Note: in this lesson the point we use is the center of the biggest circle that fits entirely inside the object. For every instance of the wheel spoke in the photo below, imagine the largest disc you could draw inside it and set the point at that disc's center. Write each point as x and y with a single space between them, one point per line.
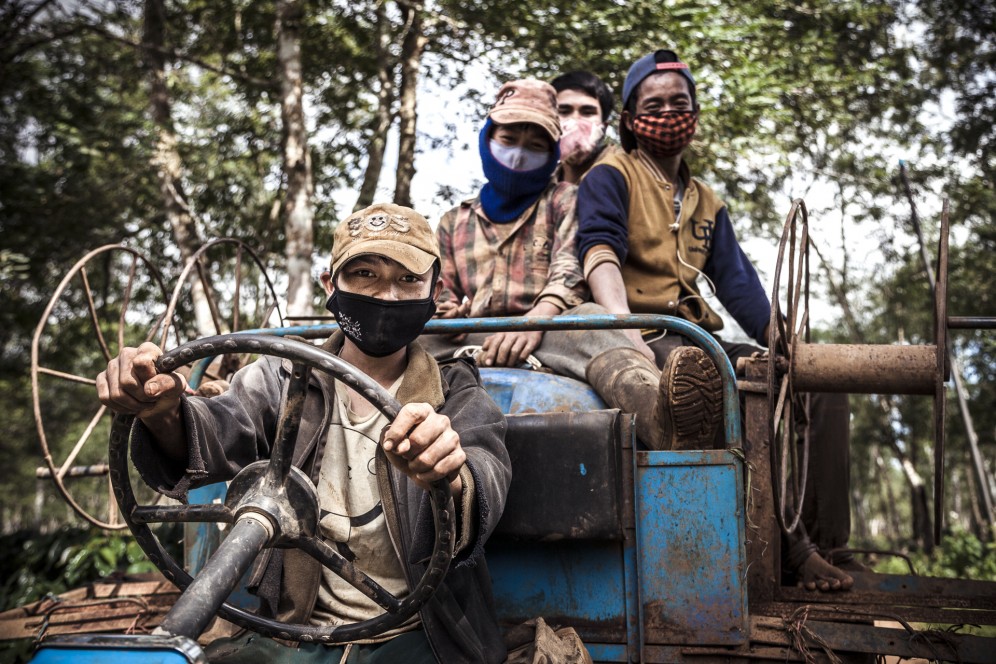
202 276
66 376
126 301
93 315
79 444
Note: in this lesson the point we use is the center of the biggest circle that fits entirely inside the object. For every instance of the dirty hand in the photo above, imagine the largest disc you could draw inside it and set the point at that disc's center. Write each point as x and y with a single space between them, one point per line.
422 444
508 349
818 574
130 385
451 309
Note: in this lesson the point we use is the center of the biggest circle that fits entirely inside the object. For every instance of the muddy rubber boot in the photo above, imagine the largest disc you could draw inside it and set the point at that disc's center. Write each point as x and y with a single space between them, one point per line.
627 380
690 409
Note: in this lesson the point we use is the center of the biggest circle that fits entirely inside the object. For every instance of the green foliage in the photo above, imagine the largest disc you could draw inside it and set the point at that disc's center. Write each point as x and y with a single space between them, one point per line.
36 565
961 555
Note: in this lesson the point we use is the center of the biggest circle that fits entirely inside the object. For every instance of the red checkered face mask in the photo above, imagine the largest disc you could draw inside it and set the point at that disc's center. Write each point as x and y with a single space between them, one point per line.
665 134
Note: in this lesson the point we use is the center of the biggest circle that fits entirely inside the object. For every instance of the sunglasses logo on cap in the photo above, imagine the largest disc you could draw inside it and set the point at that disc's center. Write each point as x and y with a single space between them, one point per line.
379 223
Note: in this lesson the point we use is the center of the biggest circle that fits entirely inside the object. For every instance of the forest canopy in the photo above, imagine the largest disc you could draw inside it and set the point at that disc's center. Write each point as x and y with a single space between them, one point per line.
163 124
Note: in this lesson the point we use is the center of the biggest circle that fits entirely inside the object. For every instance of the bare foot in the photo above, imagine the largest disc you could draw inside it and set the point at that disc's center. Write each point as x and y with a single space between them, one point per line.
818 574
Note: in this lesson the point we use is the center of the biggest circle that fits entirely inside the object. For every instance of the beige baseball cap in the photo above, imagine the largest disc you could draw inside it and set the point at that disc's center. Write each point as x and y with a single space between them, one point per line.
527 100
388 230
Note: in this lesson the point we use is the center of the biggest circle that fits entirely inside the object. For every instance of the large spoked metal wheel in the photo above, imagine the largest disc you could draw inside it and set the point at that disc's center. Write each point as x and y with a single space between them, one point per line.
112 297
788 411
223 288
272 504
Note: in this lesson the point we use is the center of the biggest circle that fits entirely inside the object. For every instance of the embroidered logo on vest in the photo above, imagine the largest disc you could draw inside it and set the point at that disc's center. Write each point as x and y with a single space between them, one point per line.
702 231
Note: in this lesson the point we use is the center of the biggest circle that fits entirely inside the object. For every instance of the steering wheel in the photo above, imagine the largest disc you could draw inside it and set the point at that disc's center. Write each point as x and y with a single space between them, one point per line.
272 505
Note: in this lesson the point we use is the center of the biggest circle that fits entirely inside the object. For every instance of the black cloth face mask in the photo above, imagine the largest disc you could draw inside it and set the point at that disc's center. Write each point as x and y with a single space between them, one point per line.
379 327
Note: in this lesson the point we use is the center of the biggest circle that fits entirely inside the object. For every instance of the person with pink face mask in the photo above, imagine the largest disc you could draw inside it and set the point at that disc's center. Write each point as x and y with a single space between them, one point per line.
584 104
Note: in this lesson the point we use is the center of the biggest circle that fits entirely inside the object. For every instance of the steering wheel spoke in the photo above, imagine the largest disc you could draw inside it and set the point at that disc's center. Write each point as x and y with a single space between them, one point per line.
348 572
290 422
183 514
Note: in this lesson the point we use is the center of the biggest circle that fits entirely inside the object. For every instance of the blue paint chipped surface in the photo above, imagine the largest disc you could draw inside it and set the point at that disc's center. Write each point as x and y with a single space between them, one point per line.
584 471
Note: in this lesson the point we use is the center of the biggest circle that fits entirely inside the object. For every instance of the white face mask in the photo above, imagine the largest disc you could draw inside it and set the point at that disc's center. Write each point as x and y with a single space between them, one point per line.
518 158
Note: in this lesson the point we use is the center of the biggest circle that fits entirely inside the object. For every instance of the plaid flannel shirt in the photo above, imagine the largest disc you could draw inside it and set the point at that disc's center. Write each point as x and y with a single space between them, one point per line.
506 269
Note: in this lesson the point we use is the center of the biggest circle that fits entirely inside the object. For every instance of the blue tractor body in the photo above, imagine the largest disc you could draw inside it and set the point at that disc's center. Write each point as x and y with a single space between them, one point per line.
652 556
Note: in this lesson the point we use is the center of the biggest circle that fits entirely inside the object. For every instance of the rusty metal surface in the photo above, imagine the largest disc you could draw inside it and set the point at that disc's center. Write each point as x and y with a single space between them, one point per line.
926 644
941 341
129 607
787 330
972 322
865 368
95 470
762 531
872 589
690 543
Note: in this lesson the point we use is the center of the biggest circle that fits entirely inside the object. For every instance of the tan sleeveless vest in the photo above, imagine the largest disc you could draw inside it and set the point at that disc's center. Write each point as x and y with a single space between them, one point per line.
656 280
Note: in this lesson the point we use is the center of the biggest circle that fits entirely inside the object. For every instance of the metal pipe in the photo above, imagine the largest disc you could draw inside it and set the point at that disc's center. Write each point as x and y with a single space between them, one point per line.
96 470
972 322
199 603
708 343
864 368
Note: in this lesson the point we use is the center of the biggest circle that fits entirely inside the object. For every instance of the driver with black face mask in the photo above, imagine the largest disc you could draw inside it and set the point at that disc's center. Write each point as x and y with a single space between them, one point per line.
382 284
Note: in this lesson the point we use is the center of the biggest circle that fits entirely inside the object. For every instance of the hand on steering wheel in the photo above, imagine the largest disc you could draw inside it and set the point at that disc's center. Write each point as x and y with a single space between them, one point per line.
272 504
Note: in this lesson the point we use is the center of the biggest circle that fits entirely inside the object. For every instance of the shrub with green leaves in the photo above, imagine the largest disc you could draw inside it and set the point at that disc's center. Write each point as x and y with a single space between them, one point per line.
34 565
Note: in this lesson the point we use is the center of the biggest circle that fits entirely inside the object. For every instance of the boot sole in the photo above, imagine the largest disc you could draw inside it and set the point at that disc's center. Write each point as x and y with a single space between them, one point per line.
691 408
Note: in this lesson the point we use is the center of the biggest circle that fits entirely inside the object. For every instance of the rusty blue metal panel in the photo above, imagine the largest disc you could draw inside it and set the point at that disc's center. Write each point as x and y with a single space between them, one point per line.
690 547
580 584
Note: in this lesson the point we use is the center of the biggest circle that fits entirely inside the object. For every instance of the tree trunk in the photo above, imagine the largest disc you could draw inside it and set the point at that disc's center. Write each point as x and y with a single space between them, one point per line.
298 210
384 117
411 57
169 168
890 498
922 533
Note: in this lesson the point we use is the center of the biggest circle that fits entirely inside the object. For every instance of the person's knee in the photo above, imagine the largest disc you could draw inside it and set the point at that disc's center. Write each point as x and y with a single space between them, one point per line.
587 309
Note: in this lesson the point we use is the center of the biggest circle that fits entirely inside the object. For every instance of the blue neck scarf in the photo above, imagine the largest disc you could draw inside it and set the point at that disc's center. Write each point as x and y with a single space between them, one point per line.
509 193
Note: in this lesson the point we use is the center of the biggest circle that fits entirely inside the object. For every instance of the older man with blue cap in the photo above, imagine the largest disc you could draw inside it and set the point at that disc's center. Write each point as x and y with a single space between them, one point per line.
647 232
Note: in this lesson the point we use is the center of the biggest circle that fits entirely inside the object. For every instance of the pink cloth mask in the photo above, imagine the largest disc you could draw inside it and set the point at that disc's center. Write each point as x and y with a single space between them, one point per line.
579 139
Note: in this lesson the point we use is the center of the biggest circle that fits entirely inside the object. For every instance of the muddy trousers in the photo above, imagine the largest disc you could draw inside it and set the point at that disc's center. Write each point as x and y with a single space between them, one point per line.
564 352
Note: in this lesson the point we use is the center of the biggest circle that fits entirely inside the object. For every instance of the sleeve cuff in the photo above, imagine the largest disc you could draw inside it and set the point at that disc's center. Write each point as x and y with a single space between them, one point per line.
553 299
597 256
466 521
